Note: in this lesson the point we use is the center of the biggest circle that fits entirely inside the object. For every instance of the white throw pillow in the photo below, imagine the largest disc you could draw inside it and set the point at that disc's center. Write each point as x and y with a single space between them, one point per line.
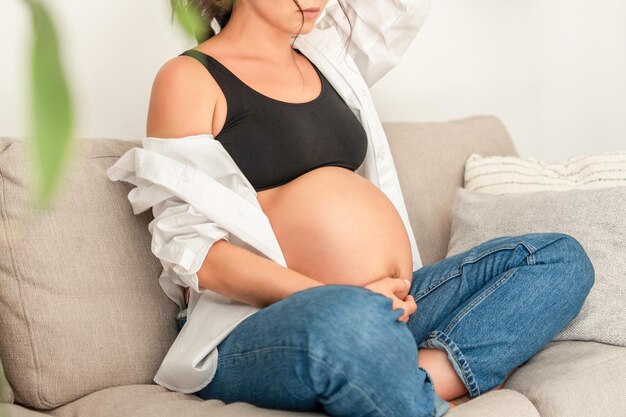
509 174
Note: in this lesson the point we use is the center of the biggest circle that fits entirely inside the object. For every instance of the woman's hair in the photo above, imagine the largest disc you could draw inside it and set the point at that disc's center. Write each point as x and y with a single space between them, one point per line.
220 10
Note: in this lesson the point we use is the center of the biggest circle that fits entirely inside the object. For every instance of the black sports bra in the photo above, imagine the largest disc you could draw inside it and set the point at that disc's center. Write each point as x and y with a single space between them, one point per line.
274 141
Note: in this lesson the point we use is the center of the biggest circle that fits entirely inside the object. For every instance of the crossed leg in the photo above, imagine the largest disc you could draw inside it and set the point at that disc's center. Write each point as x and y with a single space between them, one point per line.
483 312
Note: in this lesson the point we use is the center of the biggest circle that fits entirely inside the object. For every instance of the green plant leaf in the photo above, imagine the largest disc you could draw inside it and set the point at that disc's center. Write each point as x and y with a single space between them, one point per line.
51 106
190 18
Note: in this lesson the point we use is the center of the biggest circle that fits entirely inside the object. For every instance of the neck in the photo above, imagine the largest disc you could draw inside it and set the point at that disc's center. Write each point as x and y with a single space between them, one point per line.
248 33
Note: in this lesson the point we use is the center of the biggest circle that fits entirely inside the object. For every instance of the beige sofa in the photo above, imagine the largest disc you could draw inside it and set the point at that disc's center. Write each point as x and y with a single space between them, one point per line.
84 324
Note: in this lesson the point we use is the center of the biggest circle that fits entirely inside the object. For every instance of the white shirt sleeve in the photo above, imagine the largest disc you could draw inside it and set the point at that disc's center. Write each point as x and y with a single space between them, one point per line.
182 238
181 235
382 30
198 196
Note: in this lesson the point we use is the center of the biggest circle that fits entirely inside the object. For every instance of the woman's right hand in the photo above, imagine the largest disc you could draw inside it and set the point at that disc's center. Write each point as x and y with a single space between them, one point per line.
392 287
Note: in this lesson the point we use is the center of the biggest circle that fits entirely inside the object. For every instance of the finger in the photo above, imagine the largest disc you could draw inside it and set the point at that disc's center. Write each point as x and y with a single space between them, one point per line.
406 311
409 308
398 304
409 299
403 318
400 284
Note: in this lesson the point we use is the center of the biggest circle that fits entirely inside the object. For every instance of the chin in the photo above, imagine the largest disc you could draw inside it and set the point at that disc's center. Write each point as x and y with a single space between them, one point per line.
306 28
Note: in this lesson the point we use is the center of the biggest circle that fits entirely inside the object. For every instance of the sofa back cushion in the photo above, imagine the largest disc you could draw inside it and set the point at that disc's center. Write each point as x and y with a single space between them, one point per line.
430 160
80 304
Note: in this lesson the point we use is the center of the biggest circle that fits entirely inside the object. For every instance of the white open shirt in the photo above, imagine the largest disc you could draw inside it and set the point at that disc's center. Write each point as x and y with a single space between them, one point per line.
198 195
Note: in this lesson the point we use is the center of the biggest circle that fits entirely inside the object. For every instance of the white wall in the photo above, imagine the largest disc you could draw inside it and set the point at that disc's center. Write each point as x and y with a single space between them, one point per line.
553 71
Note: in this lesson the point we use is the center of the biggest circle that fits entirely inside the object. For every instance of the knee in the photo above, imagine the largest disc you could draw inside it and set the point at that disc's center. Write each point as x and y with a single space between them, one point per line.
578 274
354 320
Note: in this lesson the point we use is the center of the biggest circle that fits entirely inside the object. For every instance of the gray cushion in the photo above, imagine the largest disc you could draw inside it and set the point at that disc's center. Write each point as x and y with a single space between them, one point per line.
574 379
430 159
595 217
81 306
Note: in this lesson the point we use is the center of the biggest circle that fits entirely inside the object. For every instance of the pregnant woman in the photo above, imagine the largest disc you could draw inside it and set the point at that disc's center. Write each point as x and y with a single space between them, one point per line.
349 327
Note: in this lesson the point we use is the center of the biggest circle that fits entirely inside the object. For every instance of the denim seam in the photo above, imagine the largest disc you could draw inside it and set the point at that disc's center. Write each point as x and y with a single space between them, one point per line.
437 284
455 354
262 350
470 260
530 248
272 348
481 297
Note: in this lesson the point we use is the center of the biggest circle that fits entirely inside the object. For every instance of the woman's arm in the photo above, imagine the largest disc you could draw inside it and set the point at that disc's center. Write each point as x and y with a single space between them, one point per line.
182 103
241 275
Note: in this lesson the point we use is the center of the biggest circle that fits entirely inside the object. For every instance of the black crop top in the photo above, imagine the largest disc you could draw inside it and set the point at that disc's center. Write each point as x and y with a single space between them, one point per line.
272 141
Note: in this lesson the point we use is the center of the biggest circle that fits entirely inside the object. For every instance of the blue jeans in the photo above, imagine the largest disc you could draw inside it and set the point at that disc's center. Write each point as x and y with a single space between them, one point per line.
340 348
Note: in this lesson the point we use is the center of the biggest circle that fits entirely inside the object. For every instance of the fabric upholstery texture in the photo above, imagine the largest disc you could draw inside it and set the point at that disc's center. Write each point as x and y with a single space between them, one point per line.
595 217
154 400
574 379
496 403
428 184
81 306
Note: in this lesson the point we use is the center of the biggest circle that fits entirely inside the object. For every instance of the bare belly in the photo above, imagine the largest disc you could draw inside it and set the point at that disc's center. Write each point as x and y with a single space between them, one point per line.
335 226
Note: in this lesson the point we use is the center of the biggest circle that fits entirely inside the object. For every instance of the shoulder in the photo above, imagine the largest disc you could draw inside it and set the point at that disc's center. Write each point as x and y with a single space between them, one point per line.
182 99
181 74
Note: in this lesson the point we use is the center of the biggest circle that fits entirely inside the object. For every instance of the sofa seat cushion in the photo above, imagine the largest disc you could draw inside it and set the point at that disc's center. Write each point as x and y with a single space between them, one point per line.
155 400
574 379
16 410
496 403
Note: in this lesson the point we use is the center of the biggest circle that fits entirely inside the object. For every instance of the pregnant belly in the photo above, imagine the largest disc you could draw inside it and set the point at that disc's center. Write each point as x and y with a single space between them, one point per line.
335 226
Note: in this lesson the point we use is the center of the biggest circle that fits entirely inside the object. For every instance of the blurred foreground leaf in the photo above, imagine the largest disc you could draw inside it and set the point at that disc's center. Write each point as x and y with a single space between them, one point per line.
51 107
190 18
